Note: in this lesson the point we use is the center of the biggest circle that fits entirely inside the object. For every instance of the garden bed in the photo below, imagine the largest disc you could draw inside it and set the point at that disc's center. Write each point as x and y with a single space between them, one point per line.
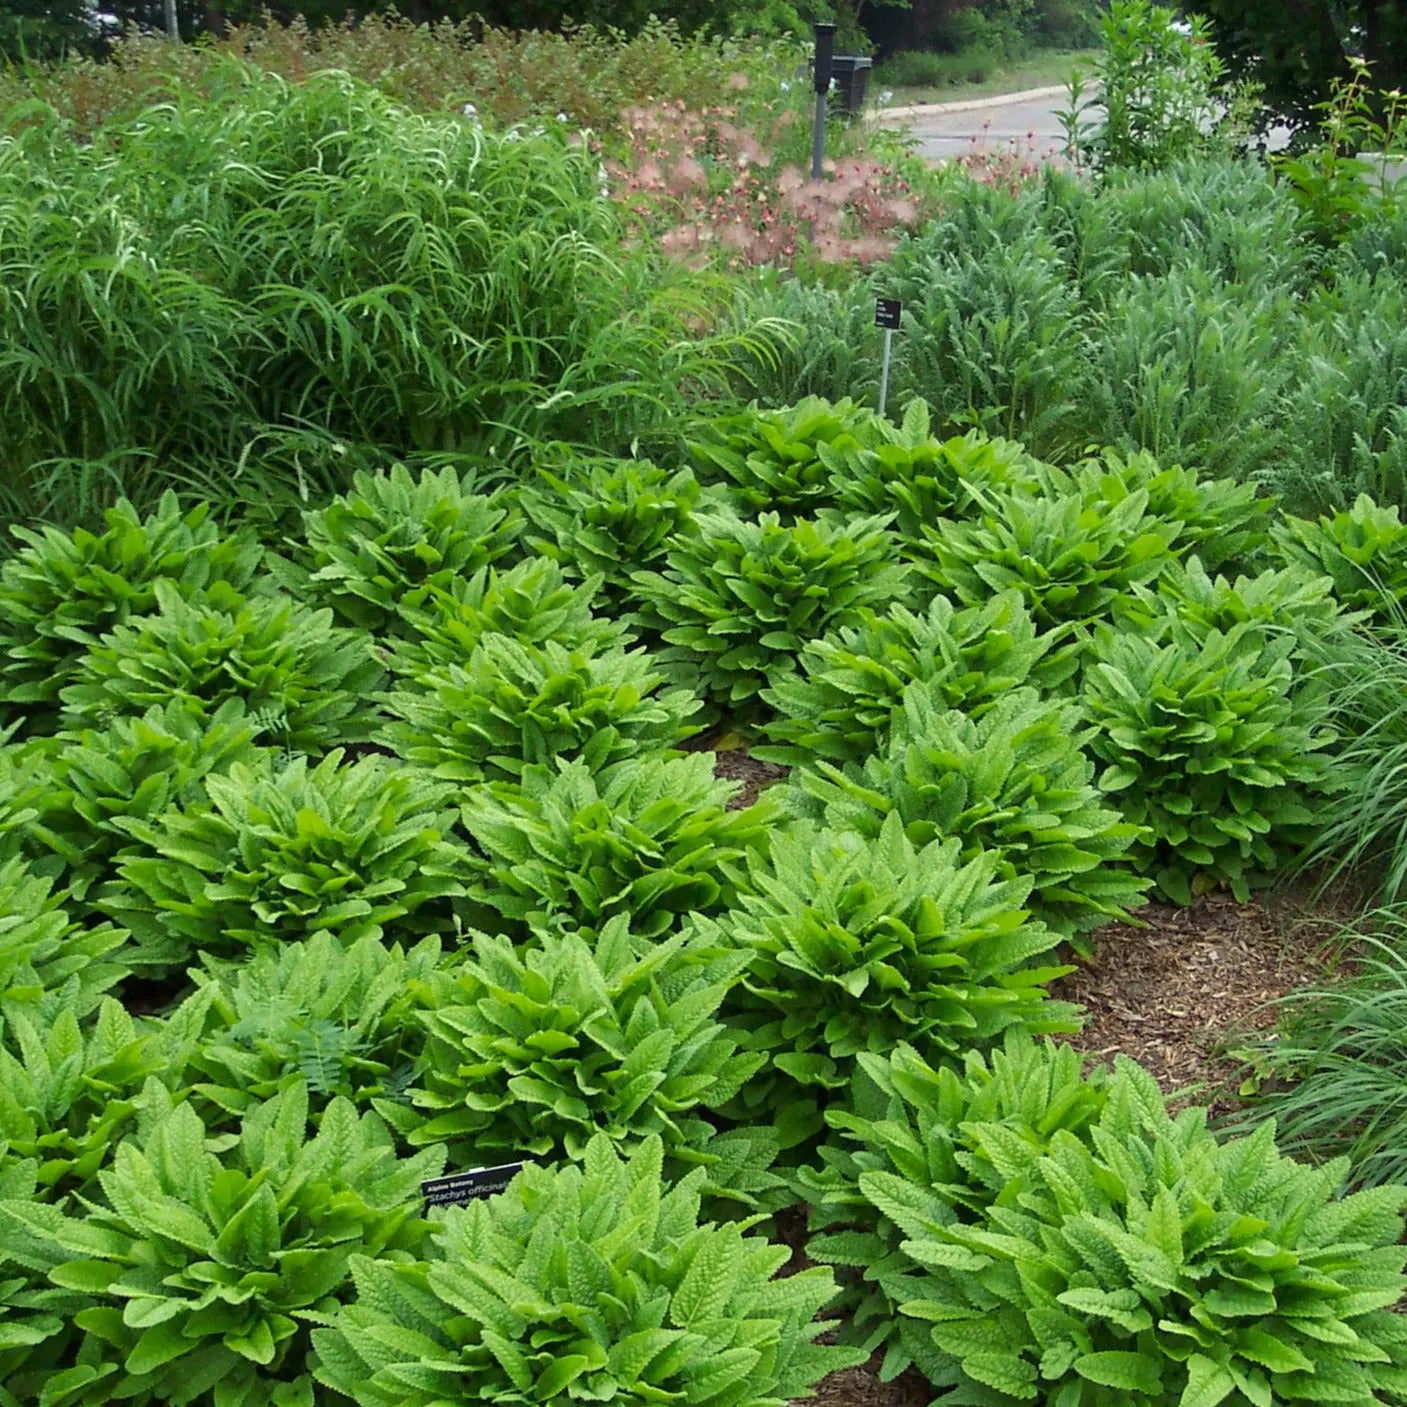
1172 995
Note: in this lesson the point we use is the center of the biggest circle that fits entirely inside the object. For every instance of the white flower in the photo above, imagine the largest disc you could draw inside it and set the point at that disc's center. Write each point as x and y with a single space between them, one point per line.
786 87
561 117
886 97
471 112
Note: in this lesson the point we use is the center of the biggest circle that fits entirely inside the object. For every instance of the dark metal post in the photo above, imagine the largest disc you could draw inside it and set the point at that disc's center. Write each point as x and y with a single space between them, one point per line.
825 47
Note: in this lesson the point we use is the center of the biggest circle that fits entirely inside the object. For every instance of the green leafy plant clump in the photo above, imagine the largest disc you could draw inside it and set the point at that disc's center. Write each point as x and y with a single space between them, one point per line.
70 1091
1224 522
280 852
921 1146
514 705
46 950
392 534
651 838
305 684
201 1269
536 1050
99 779
780 460
341 1018
739 600
62 592
611 517
40 1342
861 945
1072 559
1141 1262
1014 783
594 1283
1363 551
908 471
1209 746
1189 603
534 603
840 707
26 792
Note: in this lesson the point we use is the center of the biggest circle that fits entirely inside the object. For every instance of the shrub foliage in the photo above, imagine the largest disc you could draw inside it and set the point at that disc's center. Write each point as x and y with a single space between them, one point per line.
540 1049
514 705
1207 746
921 1146
600 1278
393 534
62 592
1014 784
652 839
199 1270
1145 1263
841 706
280 852
860 945
739 600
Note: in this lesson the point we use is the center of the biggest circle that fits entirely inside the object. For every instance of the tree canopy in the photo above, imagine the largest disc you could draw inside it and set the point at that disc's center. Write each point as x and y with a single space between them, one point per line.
1296 48
45 29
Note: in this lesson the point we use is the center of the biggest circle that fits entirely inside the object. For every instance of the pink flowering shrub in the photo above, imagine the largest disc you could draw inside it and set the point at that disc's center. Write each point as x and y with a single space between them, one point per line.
707 184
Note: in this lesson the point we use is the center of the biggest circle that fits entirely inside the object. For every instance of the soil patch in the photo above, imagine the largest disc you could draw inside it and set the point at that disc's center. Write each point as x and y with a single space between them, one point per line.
1173 995
861 1387
755 775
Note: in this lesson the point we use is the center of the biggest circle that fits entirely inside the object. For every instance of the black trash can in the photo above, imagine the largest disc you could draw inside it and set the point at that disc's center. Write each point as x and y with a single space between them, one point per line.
852 80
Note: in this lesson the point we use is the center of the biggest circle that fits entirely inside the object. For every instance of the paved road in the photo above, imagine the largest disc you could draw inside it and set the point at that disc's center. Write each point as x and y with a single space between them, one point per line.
1030 120
1032 123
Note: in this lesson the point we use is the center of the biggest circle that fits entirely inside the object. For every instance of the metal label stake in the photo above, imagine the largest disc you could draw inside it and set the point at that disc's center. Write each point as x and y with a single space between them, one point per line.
887 312
825 49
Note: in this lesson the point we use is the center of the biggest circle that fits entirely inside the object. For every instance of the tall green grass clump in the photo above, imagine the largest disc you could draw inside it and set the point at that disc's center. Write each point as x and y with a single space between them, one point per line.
264 265
1362 827
1331 1075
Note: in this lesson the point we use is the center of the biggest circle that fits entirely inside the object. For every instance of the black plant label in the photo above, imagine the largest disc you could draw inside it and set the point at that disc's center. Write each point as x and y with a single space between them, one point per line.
467 1186
886 312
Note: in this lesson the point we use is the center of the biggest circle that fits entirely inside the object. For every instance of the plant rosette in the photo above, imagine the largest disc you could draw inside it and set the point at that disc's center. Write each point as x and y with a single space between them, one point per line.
596 1282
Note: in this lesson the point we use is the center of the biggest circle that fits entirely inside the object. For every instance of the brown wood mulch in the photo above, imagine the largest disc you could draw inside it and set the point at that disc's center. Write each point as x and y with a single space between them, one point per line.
861 1387
736 765
1176 994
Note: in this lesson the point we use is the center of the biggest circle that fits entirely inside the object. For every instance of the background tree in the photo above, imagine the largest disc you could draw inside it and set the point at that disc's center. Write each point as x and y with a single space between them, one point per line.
196 17
1296 48
33 29
1006 29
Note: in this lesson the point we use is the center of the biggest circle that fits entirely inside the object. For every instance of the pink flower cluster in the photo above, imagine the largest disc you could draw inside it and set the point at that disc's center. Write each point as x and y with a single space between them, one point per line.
707 185
1010 166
